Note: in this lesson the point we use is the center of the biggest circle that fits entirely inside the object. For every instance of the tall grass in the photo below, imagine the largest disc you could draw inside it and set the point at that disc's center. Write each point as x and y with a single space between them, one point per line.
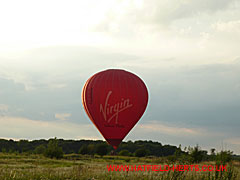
75 167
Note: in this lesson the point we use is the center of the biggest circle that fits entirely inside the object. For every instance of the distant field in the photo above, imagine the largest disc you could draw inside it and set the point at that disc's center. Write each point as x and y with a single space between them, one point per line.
73 167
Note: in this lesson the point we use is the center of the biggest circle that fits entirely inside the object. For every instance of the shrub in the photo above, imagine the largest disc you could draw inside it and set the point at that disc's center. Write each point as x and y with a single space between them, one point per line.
223 157
140 153
53 150
101 149
91 149
123 153
83 149
40 149
197 154
171 158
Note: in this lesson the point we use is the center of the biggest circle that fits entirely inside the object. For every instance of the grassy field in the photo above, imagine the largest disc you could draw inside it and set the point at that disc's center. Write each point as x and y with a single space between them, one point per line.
73 167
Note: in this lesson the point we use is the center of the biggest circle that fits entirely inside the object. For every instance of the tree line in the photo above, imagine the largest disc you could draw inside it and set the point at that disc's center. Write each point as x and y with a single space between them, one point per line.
87 147
56 148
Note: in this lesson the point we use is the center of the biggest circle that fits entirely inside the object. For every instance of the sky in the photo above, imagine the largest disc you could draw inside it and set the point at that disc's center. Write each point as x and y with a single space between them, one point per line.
186 51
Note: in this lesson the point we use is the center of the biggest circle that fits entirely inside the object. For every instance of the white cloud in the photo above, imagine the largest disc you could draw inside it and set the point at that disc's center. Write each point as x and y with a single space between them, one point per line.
123 15
205 38
176 134
229 27
234 141
3 107
63 116
57 85
170 130
23 128
232 144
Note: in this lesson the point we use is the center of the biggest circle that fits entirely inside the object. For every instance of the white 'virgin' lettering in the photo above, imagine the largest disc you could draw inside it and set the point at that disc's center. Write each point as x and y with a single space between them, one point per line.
115 109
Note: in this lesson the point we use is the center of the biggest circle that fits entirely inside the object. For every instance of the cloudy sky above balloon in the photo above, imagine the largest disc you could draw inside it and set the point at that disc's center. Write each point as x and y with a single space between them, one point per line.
186 51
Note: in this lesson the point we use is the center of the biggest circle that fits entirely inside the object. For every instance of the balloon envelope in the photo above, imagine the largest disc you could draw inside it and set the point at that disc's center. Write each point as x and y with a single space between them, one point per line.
114 100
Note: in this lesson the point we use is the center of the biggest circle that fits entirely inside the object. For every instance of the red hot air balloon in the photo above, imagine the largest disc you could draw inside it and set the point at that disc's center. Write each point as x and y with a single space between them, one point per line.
114 100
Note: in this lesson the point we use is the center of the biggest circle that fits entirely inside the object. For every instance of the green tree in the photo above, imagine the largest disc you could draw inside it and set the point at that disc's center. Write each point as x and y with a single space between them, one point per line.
40 149
124 152
196 154
101 149
23 145
91 149
213 151
223 157
53 150
178 152
4 150
140 152
83 149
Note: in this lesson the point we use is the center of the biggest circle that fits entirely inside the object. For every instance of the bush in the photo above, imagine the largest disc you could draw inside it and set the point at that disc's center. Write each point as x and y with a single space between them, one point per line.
91 149
224 157
140 153
197 154
124 153
171 158
101 149
40 149
53 150
83 149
